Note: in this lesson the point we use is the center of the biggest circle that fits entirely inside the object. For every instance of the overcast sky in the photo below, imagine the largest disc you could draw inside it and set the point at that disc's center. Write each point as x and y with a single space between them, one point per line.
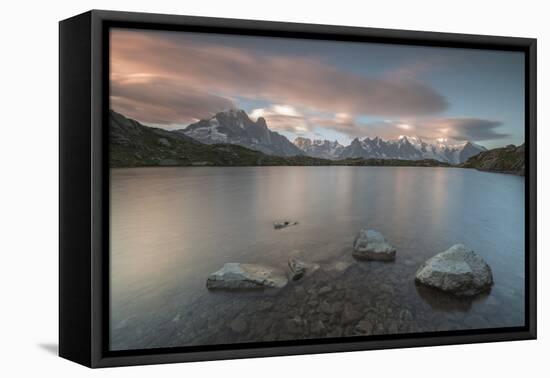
320 89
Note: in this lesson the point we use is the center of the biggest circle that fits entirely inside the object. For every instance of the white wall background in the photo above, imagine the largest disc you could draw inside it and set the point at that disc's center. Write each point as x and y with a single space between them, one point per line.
28 189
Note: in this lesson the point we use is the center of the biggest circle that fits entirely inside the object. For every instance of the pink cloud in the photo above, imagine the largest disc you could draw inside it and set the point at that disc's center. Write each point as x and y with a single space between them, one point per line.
164 79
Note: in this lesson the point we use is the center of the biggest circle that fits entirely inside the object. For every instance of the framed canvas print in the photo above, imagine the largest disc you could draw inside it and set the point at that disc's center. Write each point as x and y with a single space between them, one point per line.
233 188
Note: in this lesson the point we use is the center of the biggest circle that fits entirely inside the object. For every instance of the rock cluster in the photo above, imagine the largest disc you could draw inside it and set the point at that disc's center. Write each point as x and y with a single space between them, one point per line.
458 270
336 298
334 301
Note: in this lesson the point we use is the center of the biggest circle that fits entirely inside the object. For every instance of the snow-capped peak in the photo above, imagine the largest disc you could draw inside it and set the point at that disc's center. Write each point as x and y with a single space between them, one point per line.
320 148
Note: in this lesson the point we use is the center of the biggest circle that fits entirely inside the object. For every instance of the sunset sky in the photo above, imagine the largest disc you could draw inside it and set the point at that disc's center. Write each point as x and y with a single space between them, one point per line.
319 89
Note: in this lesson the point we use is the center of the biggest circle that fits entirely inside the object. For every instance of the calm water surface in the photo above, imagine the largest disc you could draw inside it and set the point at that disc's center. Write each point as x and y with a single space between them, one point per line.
171 227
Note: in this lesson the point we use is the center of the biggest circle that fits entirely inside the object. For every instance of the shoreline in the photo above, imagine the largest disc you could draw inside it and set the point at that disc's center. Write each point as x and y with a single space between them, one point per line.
316 166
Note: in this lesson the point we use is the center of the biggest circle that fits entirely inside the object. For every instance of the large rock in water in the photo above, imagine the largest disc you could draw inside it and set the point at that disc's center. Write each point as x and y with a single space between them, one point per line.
236 276
371 245
458 270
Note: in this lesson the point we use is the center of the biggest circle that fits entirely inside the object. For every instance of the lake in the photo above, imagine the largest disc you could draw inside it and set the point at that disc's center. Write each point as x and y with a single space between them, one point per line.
172 227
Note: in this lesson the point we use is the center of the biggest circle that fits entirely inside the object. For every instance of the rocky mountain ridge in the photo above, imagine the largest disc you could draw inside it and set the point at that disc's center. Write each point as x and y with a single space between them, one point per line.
403 148
235 127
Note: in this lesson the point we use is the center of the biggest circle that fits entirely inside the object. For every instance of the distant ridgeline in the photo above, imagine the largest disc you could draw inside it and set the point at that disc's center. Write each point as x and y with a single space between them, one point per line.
232 139
509 159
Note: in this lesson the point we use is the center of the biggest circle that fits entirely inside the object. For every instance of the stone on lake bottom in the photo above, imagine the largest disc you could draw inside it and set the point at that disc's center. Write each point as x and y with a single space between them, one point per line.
238 325
364 326
325 290
371 245
458 271
349 314
317 327
294 325
297 269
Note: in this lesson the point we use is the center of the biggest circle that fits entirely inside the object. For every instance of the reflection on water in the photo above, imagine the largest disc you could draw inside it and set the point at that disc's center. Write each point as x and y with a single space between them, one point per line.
171 227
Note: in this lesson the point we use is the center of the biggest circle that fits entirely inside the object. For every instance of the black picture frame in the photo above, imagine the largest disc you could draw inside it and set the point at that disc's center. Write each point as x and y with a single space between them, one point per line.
84 187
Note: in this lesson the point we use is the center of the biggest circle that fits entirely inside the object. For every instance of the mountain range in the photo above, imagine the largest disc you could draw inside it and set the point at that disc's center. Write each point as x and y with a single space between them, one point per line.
235 127
135 145
218 142
413 148
404 147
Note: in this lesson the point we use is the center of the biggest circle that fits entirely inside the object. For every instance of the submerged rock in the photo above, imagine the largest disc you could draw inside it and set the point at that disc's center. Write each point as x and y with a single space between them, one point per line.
325 289
337 267
458 271
317 327
350 314
238 325
294 325
284 224
236 276
297 269
371 245
364 327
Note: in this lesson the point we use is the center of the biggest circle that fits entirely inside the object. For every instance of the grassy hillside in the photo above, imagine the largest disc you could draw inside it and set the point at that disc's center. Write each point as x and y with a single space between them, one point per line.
509 159
135 145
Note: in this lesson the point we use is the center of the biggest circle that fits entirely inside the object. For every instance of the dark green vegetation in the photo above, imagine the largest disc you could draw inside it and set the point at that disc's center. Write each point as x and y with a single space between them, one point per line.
509 159
135 145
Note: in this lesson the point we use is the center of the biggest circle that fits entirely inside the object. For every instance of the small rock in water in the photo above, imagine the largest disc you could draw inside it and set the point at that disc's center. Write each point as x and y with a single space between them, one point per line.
325 289
371 245
349 314
284 224
458 271
405 315
236 276
313 303
318 327
294 325
300 292
378 329
336 331
337 267
297 269
326 307
265 305
364 326
238 325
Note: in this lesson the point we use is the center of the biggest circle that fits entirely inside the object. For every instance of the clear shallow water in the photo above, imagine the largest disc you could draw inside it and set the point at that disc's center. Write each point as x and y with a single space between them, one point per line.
171 227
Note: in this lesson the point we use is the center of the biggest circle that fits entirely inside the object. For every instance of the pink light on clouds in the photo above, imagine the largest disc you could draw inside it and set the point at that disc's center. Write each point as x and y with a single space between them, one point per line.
158 79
